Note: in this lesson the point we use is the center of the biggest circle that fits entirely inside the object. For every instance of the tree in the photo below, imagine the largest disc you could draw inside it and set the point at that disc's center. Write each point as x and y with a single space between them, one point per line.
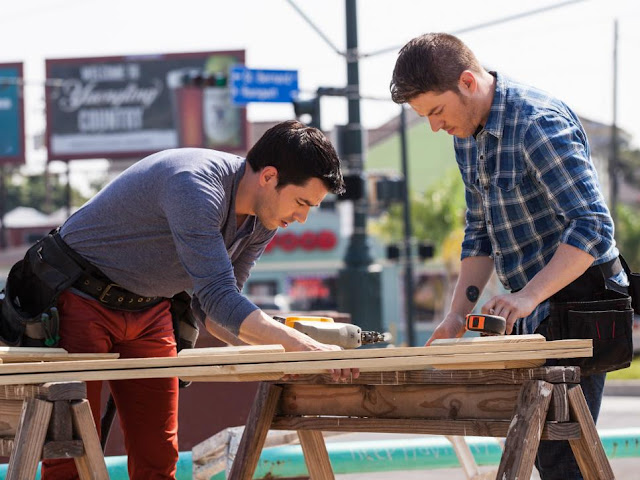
31 191
434 214
628 235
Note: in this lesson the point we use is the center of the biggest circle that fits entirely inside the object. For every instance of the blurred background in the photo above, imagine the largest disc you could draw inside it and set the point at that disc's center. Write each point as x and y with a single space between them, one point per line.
87 88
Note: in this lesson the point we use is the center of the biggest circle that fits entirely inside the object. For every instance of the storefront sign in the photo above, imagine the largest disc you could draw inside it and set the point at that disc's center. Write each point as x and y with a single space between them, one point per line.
307 241
11 114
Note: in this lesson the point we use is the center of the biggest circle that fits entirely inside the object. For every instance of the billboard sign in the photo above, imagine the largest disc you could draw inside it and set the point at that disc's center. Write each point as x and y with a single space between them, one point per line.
250 85
132 106
11 114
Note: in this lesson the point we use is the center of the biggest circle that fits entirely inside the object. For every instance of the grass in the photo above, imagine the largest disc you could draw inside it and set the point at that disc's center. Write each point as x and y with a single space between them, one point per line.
629 373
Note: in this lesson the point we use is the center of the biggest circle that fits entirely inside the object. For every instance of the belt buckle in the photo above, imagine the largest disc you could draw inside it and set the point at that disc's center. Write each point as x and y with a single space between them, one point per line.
106 292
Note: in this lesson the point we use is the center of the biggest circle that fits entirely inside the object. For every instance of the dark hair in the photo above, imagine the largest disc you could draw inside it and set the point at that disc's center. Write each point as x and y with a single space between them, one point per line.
299 153
430 63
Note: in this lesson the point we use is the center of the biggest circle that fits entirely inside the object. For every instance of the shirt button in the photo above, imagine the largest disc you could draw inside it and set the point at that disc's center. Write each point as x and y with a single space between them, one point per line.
486 187
481 157
488 222
497 254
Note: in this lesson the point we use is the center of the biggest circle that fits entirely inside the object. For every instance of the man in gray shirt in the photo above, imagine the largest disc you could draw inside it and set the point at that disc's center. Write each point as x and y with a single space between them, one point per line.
184 219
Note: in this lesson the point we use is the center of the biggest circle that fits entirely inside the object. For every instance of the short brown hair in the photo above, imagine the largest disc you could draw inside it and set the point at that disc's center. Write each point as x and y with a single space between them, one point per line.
430 63
299 153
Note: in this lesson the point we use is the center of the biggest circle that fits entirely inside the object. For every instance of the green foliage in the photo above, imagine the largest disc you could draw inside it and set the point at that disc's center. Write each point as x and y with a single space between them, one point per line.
434 214
31 191
628 235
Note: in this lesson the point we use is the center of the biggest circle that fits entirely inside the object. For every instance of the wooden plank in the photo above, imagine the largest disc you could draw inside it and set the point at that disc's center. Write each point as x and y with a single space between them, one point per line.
562 348
559 406
491 402
255 431
588 448
502 339
465 457
23 463
196 352
316 456
309 367
90 465
503 365
60 425
47 354
495 428
249 377
481 377
63 449
10 413
523 437
49 391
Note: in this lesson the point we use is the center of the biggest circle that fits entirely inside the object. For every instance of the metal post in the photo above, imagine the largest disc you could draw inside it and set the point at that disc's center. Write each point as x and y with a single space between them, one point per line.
359 290
358 254
613 161
68 188
3 202
408 231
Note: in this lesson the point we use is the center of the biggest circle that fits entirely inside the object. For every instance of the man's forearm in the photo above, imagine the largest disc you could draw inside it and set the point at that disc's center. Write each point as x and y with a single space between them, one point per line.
474 271
567 264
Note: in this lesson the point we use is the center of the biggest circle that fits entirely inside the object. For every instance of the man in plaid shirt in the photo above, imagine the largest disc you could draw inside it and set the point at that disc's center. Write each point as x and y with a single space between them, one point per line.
535 212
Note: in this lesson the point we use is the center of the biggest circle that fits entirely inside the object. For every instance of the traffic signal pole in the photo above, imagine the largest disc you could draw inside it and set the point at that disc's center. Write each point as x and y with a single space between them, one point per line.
358 253
359 282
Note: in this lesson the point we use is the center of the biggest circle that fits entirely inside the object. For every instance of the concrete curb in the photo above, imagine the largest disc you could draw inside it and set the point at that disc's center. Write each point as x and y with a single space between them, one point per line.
622 388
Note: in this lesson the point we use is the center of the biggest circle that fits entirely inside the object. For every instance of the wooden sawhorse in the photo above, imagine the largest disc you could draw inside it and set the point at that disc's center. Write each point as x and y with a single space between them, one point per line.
523 405
52 420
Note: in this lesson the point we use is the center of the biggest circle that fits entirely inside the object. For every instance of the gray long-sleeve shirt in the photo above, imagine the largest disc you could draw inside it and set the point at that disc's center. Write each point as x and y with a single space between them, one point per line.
168 224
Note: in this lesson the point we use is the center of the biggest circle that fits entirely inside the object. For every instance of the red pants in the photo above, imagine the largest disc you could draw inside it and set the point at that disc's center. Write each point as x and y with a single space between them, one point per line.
147 408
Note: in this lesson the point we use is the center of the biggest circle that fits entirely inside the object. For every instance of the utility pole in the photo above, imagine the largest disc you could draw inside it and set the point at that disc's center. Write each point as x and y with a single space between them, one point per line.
408 259
613 161
360 285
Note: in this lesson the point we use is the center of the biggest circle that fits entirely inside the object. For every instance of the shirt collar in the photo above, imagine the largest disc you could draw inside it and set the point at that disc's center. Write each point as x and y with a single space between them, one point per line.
495 122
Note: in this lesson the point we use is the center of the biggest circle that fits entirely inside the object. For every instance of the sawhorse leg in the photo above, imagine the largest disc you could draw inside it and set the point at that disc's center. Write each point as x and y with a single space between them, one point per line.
29 439
90 465
45 431
255 432
523 436
315 455
588 450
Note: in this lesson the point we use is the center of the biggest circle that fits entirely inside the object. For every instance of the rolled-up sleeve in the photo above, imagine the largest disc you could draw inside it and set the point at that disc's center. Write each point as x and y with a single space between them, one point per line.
476 241
555 148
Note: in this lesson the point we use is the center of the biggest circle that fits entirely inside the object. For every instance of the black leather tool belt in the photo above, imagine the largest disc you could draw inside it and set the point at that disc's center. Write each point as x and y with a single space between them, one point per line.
96 284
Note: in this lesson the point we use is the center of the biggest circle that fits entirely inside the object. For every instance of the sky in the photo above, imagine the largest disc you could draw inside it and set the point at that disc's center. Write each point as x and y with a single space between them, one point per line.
567 51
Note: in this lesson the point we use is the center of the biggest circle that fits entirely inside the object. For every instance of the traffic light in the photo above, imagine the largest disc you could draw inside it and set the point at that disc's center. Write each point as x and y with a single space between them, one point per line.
425 250
201 79
309 107
389 189
354 186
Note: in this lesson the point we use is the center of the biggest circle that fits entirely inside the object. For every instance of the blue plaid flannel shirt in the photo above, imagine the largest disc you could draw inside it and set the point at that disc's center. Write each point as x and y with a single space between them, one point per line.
530 185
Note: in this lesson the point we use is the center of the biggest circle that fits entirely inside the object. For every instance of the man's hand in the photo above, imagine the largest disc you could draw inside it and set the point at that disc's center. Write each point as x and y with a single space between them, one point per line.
452 326
260 329
310 345
511 306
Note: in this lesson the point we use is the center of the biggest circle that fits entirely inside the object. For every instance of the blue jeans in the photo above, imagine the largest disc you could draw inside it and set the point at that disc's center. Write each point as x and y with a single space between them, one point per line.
555 459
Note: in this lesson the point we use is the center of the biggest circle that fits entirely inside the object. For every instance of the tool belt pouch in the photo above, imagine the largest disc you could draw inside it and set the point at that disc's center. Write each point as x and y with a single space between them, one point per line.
32 290
185 325
634 285
607 321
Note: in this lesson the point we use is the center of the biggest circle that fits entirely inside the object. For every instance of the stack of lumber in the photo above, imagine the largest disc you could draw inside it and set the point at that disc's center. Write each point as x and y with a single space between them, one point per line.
47 354
270 362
